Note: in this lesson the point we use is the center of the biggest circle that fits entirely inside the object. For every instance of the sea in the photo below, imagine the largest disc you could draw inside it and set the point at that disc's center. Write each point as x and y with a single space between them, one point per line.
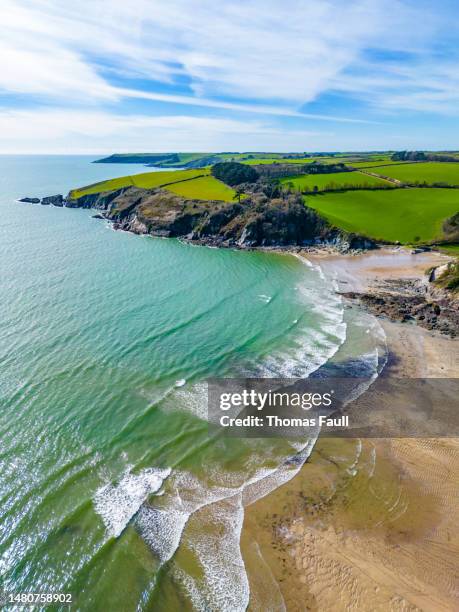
111 487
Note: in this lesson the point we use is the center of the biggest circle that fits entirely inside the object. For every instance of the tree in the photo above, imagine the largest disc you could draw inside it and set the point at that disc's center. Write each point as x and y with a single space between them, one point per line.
238 193
233 173
409 156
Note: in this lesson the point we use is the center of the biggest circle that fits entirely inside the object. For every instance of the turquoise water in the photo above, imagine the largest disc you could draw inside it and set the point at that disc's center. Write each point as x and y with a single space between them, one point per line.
110 487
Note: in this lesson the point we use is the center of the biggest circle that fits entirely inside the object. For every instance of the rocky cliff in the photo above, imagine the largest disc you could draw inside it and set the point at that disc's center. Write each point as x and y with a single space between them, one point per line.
250 223
256 221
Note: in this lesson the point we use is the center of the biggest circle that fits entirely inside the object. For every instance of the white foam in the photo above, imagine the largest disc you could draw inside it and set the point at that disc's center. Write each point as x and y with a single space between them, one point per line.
222 584
116 504
171 520
161 525
265 298
193 400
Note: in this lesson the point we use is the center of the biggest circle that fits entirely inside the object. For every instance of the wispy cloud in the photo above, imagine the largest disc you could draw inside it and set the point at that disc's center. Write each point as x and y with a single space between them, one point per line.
263 50
76 130
246 108
237 58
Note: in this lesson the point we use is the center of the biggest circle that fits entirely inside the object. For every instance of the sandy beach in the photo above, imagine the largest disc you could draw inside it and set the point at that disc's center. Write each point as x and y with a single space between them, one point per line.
367 524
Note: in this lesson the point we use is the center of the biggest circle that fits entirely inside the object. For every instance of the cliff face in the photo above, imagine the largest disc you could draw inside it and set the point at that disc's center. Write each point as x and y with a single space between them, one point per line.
246 224
256 221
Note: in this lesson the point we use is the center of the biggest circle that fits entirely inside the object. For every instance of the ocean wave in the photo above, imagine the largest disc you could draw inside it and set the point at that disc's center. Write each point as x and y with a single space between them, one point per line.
116 504
205 521
202 517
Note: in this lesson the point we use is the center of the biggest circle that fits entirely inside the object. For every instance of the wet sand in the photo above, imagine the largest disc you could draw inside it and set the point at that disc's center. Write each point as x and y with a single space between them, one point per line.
358 272
366 524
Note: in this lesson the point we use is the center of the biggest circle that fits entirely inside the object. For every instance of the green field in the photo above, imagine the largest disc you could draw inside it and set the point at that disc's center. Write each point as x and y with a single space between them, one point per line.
405 215
184 158
430 172
204 188
196 184
147 180
335 180
252 162
302 160
375 164
450 249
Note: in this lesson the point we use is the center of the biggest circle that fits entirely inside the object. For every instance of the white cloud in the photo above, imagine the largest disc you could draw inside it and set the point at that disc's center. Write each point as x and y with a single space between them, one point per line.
427 85
97 132
264 50
79 131
240 107
263 56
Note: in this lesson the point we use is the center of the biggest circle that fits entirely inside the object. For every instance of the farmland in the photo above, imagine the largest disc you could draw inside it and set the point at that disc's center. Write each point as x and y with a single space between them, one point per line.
353 201
146 180
336 180
429 172
292 160
405 215
203 188
376 164
196 184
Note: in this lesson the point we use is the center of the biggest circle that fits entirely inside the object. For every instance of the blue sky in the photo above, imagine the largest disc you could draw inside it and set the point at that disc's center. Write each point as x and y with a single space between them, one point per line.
99 76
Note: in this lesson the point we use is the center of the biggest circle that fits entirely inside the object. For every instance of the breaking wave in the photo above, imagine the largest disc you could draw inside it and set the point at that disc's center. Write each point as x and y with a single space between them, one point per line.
201 518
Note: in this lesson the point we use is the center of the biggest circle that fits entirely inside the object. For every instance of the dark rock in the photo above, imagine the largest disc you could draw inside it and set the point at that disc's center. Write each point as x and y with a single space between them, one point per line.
411 305
259 220
30 200
247 224
357 242
420 249
55 200
98 216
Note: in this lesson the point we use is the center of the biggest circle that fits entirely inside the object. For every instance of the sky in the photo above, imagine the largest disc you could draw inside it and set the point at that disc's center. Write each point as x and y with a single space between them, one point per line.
105 76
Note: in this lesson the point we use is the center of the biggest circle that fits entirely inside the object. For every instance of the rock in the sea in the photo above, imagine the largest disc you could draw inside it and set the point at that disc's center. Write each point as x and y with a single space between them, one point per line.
98 216
30 200
55 200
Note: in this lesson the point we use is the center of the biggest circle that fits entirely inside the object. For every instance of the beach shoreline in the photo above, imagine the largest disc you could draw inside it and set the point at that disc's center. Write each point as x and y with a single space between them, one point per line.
366 524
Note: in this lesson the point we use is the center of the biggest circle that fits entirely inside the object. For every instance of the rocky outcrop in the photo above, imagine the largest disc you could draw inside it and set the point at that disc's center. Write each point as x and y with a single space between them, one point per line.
247 224
421 302
55 200
446 278
30 200
257 221
345 242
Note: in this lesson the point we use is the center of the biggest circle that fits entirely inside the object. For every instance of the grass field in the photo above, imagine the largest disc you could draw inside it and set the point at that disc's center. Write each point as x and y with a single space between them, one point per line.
431 172
335 180
450 249
305 160
204 188
405 215
252 162
187 183
147 180
375 164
